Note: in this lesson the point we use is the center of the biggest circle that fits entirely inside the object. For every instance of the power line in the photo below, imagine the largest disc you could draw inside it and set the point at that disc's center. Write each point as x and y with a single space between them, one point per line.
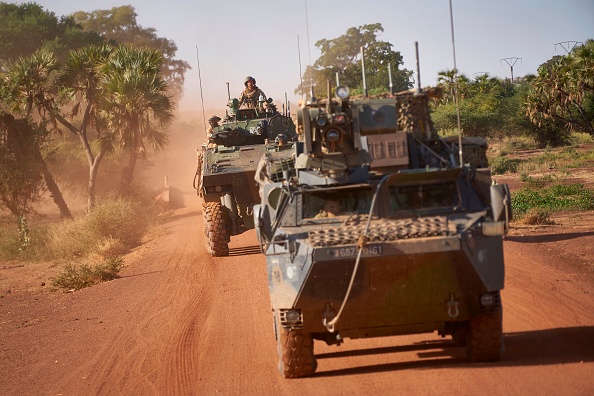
568 46
511 62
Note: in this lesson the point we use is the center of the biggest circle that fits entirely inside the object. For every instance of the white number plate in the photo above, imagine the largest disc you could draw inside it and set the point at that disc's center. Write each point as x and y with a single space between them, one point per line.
351 251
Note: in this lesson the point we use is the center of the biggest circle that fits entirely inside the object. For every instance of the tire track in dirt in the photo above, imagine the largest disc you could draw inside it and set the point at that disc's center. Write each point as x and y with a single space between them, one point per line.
172 306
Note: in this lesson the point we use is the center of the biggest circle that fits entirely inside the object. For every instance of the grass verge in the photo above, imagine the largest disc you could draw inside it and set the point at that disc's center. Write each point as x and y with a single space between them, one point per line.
90 246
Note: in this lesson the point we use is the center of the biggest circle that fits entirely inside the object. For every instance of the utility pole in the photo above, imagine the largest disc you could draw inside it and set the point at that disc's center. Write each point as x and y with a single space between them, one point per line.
568 46
511 62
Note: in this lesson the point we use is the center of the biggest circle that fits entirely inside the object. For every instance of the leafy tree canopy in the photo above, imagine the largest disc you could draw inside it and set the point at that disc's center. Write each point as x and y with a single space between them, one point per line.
563 91
27 27
342 55
119 25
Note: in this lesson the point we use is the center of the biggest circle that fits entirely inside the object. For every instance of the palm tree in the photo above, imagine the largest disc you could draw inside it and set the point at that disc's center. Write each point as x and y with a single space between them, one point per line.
80 84
29 87
564 92
134 102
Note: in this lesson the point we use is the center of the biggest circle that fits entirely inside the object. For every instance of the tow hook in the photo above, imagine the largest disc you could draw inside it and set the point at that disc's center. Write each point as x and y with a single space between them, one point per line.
327 317
453 310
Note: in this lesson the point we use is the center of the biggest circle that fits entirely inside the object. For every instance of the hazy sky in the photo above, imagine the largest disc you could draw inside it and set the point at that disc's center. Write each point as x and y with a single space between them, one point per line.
236 38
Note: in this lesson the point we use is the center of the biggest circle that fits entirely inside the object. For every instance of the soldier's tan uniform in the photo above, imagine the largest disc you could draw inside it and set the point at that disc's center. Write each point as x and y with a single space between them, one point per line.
251 94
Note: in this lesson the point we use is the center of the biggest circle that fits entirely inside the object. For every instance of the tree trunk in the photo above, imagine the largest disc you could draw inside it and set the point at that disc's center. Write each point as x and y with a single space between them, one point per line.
94 167
53 188
128 173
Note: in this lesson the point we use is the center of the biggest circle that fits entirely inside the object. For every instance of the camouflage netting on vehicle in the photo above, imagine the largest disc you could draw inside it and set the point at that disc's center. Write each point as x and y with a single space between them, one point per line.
380 231
413 110
474 150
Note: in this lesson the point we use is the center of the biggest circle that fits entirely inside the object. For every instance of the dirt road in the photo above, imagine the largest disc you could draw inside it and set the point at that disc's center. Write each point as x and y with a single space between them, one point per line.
179 322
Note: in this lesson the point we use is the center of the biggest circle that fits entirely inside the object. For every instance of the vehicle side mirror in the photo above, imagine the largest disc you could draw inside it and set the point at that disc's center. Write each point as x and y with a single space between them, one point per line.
501 203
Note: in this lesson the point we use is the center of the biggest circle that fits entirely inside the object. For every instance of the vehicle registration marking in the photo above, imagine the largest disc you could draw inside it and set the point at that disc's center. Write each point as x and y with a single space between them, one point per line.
351 251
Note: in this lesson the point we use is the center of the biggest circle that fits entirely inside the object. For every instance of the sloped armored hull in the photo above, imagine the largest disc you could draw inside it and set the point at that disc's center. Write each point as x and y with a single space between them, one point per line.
234 173
404 286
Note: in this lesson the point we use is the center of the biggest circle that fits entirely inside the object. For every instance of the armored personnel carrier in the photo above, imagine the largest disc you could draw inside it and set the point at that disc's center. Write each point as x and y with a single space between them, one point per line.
226 166
375 226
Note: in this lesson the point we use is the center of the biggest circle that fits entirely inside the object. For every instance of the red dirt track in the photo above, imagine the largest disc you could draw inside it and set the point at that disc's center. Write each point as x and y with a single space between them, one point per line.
179 322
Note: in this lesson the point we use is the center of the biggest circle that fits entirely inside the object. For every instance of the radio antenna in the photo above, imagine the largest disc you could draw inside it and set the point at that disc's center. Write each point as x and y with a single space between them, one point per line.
456 87
300 75
308 49
201 96
363 71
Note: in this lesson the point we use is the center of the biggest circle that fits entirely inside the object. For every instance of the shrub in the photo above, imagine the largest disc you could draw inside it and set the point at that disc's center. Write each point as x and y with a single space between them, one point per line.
538 216
114 226
502 165
555 198
76 277
581 138
520 144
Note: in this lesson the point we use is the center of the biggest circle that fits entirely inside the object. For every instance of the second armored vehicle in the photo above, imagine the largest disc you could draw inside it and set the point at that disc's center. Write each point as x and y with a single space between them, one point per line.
226 166
380 230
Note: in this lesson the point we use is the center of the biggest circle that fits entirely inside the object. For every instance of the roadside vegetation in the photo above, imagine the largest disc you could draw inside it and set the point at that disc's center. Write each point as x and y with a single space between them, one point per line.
89 247
79 93
543 176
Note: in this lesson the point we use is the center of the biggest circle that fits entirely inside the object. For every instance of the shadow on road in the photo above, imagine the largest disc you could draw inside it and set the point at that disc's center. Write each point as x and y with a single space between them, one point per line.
184 215
548 237
529 348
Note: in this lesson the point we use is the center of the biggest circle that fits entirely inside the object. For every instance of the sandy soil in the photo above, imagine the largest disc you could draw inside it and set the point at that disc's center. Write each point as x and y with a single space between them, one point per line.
181 322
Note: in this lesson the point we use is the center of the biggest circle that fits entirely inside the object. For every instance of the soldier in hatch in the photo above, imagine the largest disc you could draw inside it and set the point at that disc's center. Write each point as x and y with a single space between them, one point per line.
213 122
251 95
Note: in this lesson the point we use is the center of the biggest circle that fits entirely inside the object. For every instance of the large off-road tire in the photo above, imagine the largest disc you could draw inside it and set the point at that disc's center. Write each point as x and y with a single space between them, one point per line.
485 337
217 238
296 353
204 220
460 335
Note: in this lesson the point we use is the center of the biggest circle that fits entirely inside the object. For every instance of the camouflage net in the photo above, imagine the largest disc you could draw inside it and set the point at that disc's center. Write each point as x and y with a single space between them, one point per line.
380 231
413 113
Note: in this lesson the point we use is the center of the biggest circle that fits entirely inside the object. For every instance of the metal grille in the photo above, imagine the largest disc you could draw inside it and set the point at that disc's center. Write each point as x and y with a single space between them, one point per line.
275 169
380 231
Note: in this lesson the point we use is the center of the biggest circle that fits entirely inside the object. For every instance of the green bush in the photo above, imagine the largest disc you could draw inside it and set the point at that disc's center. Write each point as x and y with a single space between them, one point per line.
111 229
114 225
538 216
537 182
76 277
520 144
581 138
502 165
555 198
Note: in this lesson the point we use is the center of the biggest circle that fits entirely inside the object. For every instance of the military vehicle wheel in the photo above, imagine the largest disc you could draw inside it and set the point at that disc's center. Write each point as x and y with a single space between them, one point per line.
204 221
460 336
295 351
215 226
485 337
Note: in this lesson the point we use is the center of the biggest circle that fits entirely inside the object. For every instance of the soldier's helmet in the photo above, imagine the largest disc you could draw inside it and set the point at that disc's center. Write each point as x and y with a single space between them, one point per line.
249 78
214 118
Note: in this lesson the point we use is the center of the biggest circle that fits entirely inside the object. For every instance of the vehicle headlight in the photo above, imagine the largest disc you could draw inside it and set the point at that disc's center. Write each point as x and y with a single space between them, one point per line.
333 135
496 228
291 317
322 120
487 300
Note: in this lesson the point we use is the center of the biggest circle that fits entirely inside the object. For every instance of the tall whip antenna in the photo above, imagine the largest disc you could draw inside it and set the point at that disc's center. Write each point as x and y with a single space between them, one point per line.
201 96
308 49
456 87
300 75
